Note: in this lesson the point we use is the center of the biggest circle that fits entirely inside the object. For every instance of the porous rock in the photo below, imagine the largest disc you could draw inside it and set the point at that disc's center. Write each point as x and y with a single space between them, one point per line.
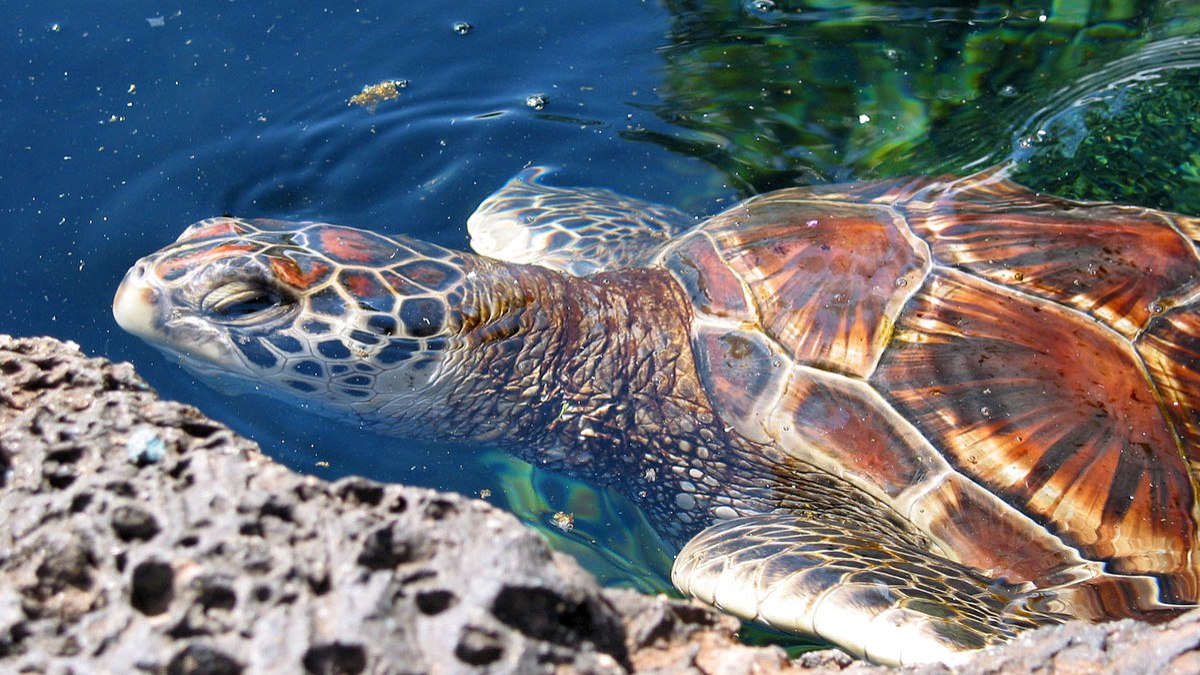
139 536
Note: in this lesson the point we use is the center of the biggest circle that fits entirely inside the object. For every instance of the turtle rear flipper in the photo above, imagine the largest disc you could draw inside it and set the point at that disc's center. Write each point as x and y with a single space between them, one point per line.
579 231
884 600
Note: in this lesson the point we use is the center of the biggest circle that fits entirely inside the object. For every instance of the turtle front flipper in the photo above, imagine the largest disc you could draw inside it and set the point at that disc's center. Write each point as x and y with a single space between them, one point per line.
579 231
884 600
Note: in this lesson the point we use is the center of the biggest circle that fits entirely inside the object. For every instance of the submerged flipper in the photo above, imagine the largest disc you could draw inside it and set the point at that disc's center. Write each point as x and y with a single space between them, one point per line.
885 600
579 231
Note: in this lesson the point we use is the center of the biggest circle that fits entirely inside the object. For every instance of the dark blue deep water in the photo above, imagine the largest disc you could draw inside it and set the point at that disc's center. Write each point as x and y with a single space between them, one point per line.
124 122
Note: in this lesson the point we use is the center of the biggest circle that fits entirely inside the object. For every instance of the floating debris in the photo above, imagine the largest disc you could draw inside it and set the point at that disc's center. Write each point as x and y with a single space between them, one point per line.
323 464
759 7
461 27
145 446
373 94
485 493
563 521
537 101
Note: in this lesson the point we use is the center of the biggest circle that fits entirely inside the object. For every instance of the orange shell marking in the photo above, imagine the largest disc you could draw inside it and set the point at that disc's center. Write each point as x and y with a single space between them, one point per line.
1171 348
362 285
825 277
178 264
347 245
291 273
1051 412
1113 262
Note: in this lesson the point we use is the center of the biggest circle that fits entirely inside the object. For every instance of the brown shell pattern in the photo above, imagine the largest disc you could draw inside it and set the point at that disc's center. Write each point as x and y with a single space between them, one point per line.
1017 374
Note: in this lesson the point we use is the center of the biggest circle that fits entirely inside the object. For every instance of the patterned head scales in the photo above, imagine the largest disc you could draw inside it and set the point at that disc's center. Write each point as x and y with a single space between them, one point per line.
357 321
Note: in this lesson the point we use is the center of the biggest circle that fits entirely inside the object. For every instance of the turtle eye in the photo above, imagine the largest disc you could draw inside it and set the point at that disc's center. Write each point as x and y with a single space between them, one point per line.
238 300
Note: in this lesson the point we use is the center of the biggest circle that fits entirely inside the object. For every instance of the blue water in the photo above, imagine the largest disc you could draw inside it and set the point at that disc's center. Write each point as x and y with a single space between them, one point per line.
125 122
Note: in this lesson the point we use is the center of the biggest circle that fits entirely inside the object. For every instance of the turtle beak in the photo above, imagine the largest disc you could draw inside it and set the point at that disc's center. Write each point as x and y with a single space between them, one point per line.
135 305
142 307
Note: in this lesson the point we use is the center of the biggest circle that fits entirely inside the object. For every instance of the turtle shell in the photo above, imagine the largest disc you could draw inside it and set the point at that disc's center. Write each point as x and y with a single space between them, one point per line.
1015 374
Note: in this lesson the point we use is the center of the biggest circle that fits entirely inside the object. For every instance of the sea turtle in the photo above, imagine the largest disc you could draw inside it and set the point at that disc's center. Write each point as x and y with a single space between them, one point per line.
912 417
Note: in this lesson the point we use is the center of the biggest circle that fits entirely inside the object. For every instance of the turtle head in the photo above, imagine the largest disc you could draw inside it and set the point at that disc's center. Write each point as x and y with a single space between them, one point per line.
355 323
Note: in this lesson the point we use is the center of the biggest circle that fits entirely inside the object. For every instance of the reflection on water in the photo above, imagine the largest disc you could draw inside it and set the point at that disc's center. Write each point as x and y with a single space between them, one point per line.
1127 132
776 93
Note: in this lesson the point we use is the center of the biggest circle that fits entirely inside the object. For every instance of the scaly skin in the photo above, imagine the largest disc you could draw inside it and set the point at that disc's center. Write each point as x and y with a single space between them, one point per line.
595 377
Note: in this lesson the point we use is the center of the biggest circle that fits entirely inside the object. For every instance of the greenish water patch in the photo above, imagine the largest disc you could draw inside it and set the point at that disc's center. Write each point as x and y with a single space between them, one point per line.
605 531
1134 139
779 93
